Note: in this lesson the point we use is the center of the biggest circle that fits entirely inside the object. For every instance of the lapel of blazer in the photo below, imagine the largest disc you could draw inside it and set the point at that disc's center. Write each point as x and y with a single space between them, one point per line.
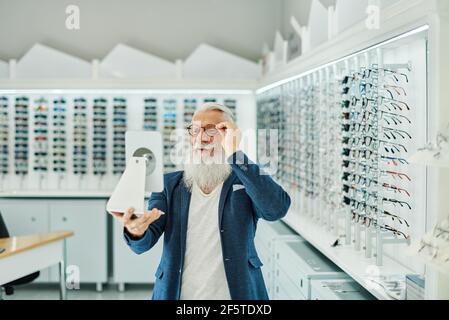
227 187
185 204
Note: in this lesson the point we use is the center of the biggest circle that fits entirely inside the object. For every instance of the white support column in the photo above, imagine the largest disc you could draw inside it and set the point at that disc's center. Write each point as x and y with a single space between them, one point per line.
437 284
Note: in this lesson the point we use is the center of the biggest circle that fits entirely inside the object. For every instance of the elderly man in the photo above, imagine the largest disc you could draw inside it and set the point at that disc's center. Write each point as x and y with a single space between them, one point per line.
208 214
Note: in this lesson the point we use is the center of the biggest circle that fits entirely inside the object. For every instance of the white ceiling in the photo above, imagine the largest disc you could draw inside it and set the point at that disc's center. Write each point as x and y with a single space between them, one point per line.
170 29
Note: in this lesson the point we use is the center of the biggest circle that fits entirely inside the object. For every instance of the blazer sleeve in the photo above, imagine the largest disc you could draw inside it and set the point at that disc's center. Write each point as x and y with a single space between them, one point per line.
269 200
154 231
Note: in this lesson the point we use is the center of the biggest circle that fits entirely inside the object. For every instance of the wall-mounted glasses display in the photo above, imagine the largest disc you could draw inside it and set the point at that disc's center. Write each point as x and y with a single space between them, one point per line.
231 104
99 152
59 139
377 130
170 119
210 100
80 140
150 114
40 143
4 135
190 106
22 135
434 246
345 132
119 129
80 135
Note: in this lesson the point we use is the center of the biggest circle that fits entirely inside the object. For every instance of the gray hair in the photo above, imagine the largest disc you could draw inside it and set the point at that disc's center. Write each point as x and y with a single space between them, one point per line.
213 106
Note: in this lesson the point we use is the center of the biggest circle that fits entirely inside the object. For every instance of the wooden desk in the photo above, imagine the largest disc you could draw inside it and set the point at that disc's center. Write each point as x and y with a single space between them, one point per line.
28 254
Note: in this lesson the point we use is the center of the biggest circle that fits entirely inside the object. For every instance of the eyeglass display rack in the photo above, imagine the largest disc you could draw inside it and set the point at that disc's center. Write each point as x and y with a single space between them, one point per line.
433 248
4 136
232 105
120 127
80 134
21 136
75 144
345 132
190 106
100 135
150 116
59 141
41 143
170 125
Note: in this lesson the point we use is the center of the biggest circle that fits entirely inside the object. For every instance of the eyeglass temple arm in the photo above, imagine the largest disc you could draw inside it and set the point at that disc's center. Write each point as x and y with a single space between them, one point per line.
399 131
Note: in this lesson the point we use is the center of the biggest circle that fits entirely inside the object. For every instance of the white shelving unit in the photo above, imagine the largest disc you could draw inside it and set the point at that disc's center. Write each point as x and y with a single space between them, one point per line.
398 20
353 263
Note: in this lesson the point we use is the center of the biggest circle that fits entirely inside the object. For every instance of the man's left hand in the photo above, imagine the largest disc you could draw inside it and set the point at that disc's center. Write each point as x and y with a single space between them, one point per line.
231 137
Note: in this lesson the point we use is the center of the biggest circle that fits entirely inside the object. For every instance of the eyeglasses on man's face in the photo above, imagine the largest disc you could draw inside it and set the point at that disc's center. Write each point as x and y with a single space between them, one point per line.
210 130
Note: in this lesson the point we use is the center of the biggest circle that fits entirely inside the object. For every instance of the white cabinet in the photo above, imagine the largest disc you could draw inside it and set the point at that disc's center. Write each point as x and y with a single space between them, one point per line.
340 289
132 268
285 286
24 218
297 264
267 235
87 249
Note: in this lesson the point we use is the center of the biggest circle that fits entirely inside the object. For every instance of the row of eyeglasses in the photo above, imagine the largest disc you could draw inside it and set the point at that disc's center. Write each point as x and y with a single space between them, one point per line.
120 127
4 135
376 128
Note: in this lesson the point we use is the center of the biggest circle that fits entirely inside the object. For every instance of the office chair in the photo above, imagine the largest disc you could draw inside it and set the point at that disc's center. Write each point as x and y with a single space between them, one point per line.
9 287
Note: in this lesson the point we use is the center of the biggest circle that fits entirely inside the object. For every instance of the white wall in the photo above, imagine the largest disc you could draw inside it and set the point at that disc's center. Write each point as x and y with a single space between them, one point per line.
168 28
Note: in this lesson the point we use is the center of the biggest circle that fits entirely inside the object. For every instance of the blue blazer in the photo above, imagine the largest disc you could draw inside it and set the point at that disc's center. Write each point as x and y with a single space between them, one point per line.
238 213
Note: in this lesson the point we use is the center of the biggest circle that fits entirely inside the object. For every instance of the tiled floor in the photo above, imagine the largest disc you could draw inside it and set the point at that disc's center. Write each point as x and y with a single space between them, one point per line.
86 292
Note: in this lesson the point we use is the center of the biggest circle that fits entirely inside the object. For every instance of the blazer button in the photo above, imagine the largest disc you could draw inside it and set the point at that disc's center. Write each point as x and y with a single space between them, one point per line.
227 259
221 230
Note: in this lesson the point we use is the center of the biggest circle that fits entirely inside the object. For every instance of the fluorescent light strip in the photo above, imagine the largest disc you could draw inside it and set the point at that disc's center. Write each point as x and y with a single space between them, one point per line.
397 38
126 91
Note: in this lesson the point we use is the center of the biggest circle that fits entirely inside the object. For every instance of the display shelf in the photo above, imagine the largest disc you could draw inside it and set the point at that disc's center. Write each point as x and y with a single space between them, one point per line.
55 194
145 86
95 138
350 261
376 199
402 22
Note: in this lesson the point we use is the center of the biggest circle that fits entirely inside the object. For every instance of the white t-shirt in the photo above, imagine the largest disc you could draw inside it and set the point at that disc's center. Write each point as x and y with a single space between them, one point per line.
204 275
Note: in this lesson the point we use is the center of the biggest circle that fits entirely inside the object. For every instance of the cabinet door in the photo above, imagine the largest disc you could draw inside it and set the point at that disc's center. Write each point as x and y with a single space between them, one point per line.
26 218
87 249
288 285
130 267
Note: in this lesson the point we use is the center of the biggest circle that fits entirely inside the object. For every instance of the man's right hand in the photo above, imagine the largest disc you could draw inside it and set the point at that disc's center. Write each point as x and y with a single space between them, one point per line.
137 226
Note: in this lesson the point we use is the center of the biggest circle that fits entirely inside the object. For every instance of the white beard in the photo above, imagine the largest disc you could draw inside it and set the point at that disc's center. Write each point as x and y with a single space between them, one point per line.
206 176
